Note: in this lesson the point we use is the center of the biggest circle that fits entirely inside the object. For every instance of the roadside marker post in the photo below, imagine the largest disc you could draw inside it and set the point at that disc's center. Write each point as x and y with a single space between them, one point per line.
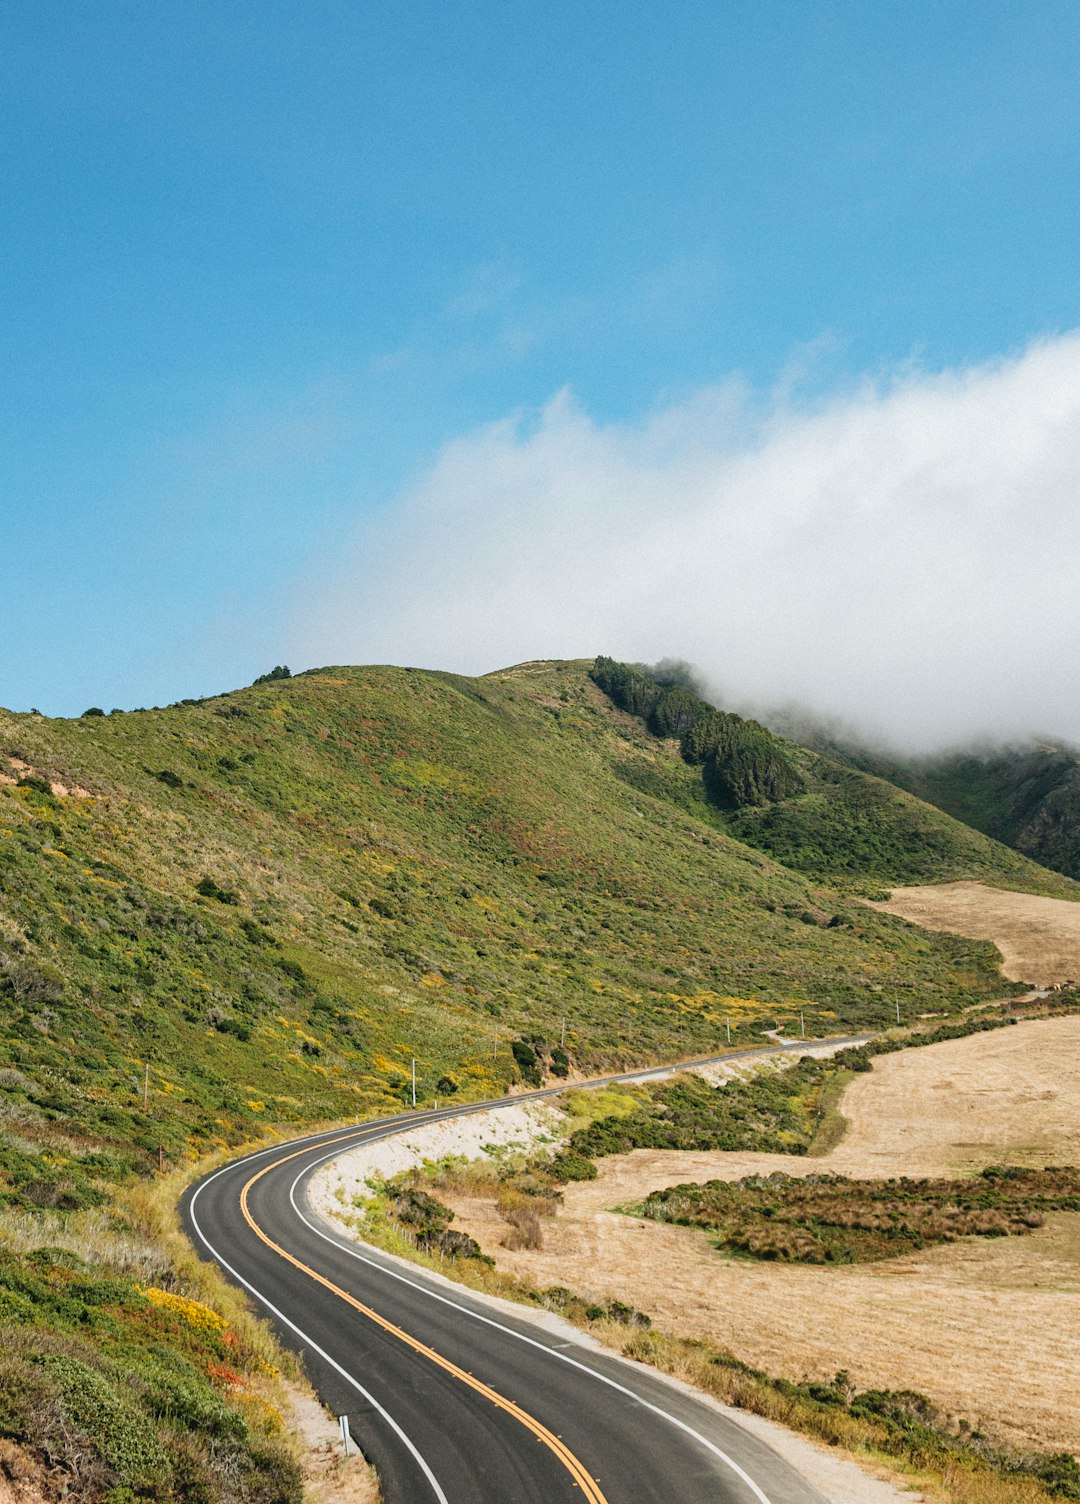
414 1080
343 1422
727 1026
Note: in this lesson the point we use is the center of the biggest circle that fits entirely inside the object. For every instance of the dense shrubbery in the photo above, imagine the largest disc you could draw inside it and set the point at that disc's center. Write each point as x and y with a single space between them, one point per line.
279 671
428 1224
123 1390
770 1114
773 1114
828 1219
742 762
528 1064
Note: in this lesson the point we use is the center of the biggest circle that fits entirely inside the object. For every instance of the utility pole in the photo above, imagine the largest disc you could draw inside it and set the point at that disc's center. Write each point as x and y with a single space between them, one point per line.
146 1088
414 1080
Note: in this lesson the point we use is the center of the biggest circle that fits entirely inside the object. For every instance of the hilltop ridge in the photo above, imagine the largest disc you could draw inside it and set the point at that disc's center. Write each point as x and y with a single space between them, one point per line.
277 897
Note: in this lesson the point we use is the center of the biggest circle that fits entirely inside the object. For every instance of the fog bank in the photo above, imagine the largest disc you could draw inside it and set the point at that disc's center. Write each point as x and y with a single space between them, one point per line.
904 556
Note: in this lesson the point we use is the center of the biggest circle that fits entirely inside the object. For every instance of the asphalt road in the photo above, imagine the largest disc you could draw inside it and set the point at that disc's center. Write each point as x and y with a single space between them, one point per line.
449 1397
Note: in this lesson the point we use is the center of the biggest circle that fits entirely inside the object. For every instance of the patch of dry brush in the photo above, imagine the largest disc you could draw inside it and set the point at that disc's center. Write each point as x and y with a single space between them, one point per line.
825 1219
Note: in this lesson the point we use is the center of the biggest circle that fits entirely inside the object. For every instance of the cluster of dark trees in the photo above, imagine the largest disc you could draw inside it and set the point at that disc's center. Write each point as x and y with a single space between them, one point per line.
741 762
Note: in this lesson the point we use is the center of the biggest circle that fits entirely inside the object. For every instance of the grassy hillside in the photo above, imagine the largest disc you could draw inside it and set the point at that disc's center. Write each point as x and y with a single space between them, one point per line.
278 896
259 908
827 816
1026 796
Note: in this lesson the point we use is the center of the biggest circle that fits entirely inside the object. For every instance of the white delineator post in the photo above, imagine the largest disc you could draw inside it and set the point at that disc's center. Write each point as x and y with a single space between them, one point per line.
343 1422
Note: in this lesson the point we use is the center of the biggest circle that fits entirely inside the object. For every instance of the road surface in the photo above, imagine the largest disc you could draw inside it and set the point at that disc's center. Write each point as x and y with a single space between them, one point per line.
453 1400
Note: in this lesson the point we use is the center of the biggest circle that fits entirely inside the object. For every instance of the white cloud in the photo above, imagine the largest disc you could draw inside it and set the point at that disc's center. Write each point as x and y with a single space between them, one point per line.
905 556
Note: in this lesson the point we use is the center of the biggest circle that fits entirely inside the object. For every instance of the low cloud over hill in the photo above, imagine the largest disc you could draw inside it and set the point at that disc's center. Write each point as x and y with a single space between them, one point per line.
901 554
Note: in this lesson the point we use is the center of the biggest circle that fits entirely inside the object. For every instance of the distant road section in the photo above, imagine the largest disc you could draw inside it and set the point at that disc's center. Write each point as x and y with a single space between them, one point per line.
451 1399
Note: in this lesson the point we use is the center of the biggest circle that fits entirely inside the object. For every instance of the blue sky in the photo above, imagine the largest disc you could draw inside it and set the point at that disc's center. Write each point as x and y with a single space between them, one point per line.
262 263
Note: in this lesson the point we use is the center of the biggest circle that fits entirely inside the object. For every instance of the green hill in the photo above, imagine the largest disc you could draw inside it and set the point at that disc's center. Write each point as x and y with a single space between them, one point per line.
830 817
1026 796
277 897
259 908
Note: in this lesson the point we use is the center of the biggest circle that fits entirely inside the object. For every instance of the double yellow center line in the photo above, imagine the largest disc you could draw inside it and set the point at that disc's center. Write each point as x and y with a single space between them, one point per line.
574 1467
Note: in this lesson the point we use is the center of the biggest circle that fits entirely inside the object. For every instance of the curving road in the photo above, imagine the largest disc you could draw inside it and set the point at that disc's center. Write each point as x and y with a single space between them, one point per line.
452 1399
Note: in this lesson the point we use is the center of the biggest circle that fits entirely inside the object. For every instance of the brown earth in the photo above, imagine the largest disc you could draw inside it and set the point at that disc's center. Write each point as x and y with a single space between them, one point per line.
1039 938
26 1480
329 1476
989 1328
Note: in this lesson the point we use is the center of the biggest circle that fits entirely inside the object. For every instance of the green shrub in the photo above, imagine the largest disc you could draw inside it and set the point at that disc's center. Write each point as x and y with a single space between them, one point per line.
528 1062
210 889
174 1389
115 1425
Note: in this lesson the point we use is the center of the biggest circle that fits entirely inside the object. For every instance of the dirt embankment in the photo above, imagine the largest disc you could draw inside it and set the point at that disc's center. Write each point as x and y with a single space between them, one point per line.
1039 938
989 1328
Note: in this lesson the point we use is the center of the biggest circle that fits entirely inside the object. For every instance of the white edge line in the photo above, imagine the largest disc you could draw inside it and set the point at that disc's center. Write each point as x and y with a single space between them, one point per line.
509 1331
372 1401
404 1125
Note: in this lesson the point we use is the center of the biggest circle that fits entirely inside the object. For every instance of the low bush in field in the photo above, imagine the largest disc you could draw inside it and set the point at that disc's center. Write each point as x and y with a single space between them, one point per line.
427 1221
827 1219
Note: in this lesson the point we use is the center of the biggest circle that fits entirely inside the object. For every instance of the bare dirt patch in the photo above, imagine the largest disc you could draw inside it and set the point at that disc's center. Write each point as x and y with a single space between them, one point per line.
1039 938
26 1480
329 1476
989 1329
1011 1095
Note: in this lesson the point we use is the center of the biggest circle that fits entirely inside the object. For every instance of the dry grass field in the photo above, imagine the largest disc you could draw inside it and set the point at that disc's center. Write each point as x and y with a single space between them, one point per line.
1039 938
989 1328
